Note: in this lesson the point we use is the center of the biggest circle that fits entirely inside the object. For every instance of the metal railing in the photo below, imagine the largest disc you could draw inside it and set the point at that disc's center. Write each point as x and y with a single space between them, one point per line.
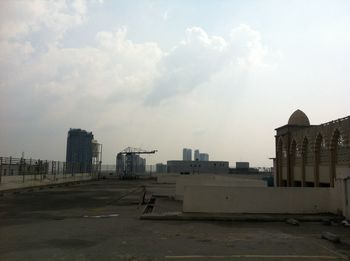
38 169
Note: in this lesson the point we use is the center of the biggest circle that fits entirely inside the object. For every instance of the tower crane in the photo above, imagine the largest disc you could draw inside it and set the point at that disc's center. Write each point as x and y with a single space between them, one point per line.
126 165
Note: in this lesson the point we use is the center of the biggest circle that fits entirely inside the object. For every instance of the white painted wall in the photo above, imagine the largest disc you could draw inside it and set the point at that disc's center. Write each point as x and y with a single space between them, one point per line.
324 174
213 180
166 178
342 172
284 172
343 188
346 204
220 199
309 174
297 173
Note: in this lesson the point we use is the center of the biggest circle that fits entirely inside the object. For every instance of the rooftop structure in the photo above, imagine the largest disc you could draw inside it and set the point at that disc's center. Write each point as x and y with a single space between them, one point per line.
311 155
299 118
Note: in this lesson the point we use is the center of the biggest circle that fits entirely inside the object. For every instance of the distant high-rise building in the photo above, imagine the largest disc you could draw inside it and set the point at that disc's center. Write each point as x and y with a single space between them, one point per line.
203 157
120 163
196 155
187 154
79 150
130 164
161 168
139 164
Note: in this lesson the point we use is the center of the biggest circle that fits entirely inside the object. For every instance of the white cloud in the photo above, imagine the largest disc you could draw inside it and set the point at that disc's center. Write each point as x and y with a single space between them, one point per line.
200 56
73 79
165 15
21 18
105 85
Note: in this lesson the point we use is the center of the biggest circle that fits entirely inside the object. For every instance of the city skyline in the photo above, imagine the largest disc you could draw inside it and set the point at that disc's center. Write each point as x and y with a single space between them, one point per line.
219 76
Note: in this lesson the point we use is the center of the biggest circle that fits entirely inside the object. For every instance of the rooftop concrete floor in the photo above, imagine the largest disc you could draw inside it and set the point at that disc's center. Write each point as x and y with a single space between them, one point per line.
99 220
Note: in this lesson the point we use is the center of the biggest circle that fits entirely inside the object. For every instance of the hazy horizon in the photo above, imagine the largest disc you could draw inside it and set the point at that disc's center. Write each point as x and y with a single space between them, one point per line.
218 76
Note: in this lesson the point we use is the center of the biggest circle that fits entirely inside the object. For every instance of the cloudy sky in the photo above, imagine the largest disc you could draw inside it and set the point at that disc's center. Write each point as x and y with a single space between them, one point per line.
219 76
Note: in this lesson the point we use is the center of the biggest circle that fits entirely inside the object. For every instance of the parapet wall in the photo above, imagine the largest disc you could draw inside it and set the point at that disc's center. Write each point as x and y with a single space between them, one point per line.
167 178
282 200
205 180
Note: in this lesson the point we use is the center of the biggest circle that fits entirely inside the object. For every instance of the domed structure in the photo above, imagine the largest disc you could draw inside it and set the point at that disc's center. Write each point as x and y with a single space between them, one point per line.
299 118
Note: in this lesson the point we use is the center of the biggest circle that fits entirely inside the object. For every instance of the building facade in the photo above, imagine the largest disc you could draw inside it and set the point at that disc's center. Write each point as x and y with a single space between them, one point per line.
187 154
203 157
196 155
130 164
79 151
161 168
311 155
197 167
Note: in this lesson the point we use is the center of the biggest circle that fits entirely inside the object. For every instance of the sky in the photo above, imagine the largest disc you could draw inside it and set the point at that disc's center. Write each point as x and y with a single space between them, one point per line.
218 76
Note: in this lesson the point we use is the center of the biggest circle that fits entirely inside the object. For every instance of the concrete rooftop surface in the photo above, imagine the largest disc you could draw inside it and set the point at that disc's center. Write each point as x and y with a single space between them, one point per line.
100 220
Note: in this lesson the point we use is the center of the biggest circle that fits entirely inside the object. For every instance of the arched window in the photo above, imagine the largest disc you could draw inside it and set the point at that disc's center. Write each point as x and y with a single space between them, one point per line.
280 162
307 160
321 162
339 153
340 149
292 163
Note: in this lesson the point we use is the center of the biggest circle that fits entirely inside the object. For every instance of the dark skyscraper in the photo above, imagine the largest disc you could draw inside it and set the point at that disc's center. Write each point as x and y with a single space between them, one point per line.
79 150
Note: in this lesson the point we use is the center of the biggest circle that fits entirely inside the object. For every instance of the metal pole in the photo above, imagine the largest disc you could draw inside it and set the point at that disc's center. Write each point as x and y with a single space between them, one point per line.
46 169
64 169
0 170
100 163
58 169
30 168
39 169
9 168
21 167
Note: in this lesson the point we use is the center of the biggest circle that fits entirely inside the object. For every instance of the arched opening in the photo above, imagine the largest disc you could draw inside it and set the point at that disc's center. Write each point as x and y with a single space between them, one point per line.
338 154
307 159
317 158
291 180
280 163
321 162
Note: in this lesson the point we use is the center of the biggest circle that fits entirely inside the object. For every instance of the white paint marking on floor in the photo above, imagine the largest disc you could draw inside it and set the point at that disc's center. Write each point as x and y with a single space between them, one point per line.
332 251
253 256
102 216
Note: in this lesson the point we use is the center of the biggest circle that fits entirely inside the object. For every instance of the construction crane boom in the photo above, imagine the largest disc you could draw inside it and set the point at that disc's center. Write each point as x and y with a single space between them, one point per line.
130 150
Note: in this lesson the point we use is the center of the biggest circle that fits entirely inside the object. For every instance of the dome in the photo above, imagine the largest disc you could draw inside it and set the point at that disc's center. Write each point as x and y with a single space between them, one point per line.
299 118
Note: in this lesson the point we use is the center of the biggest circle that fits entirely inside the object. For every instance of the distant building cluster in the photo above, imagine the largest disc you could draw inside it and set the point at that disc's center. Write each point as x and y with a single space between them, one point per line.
133 162
187 155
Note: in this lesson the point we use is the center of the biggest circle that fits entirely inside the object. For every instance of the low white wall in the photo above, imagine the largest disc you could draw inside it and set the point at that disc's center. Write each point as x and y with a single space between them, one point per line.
346 204
309 174
283 200
284 173
167 178
297 173
324 174
213 180
343 189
